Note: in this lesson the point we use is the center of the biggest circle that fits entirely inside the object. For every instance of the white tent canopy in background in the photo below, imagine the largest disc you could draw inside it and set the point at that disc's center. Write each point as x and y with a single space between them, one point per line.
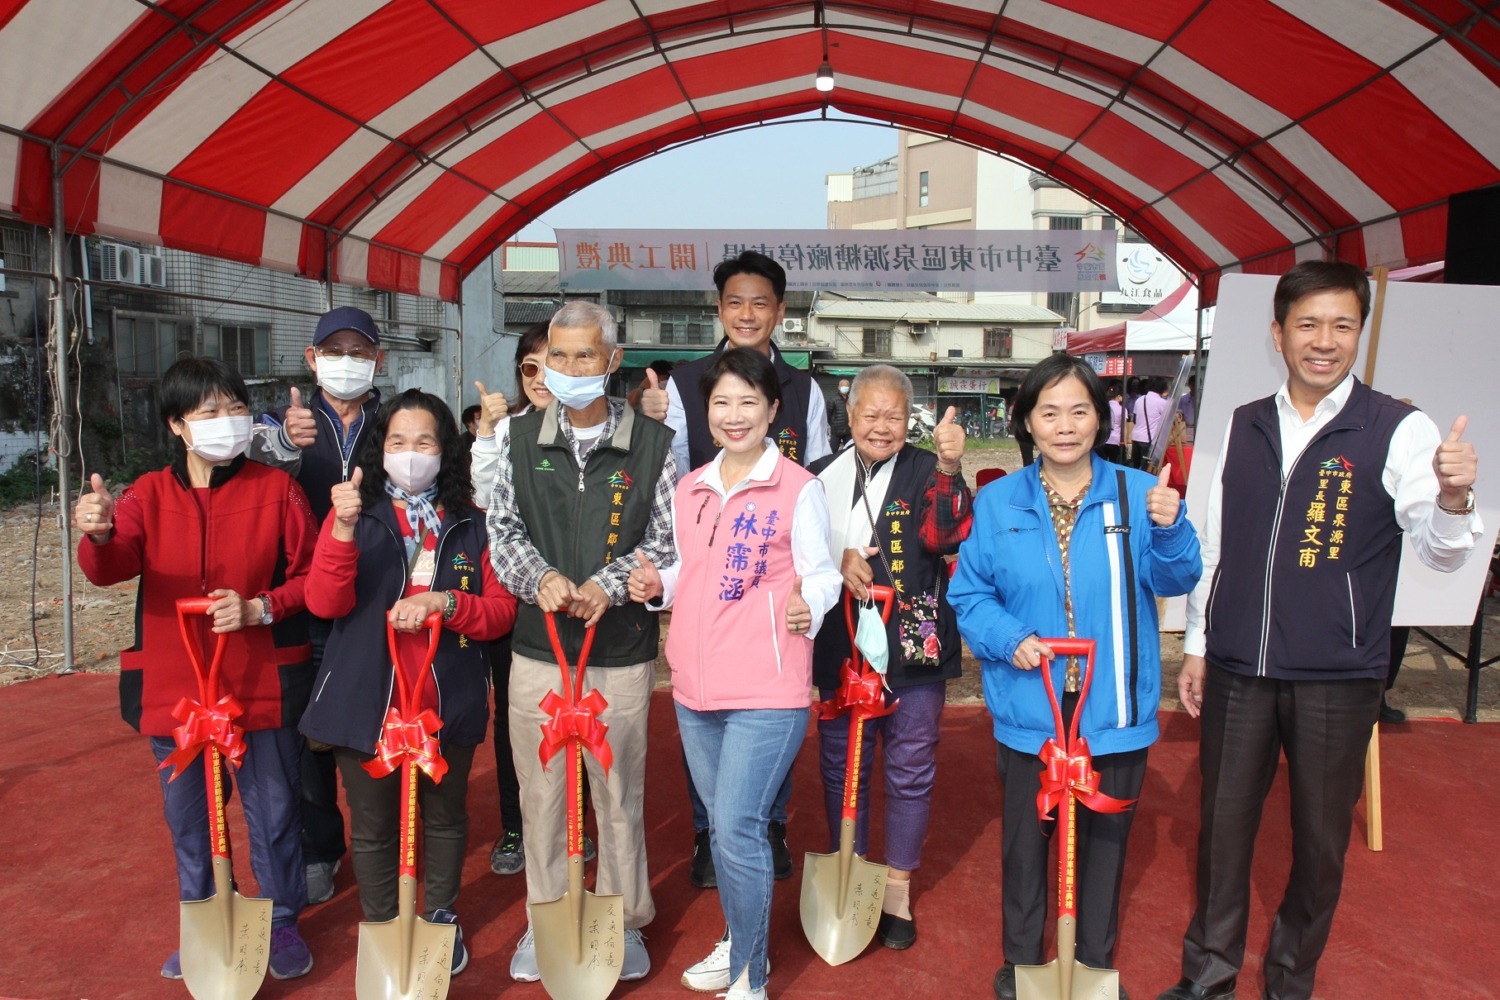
1170 325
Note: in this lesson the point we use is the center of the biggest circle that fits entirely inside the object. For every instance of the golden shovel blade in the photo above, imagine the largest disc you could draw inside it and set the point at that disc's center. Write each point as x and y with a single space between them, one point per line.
580 944
1065 978
406 958
224 942
840 914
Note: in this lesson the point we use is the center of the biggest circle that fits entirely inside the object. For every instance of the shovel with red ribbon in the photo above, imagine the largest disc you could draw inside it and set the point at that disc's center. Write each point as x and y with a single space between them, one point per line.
407 958
842 893
1069 778
224 941
580 938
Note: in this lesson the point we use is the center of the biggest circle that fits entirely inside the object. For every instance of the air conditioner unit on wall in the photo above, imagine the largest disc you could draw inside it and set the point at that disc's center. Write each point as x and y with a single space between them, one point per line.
153 268
119 263
917 329
791 325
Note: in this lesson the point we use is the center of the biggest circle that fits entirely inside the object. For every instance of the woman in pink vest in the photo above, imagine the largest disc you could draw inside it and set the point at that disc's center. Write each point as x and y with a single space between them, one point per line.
749 591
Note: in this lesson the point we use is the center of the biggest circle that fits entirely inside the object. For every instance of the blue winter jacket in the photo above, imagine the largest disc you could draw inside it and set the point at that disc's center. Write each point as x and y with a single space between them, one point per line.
1009 585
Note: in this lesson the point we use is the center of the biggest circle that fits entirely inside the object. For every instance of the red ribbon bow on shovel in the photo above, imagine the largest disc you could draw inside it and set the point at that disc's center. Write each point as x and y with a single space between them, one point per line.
1069 764
580 720
861 691
202 726
400 739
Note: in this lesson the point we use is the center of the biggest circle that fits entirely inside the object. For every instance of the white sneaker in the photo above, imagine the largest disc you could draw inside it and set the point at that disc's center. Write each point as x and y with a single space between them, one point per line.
637 962
523 964
744 993
712 973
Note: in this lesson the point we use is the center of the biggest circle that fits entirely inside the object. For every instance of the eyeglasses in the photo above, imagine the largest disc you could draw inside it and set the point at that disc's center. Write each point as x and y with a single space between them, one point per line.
358 353
530 369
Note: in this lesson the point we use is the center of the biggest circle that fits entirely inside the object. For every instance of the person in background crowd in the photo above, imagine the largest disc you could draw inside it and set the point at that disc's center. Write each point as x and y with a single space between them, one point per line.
656 376
1112 450
1043 561
581 487
894 510
470 421
405 541
1288 640
838 417
318 445
1148 415
755 577
508 854
214 525
752 303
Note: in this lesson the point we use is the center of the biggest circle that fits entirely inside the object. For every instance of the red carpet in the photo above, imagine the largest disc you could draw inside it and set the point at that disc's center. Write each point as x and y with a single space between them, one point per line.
88 894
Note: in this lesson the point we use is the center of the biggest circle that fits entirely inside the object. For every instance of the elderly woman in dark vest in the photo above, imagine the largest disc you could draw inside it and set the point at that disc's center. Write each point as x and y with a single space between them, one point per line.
894 510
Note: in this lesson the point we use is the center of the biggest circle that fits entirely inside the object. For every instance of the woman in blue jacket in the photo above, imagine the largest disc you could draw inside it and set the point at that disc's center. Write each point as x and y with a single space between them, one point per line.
1073 546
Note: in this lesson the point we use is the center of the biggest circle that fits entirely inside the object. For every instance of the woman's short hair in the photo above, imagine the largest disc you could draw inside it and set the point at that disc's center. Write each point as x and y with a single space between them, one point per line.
533 341
884 377
1047 373
455 487
746 364
190 382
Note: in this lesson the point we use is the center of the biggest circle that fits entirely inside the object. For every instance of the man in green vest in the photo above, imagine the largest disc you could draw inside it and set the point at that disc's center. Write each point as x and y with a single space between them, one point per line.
584 485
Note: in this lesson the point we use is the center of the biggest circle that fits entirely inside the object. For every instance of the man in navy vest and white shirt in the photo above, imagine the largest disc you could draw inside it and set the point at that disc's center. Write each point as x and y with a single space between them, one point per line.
1288 633
752 303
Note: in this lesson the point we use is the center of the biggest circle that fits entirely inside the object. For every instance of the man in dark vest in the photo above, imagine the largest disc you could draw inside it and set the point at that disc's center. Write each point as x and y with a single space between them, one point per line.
319 445
1288 635
838 417
583 486
752 303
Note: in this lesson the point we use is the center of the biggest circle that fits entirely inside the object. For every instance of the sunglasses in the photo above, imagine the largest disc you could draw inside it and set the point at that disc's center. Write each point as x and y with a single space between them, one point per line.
530 369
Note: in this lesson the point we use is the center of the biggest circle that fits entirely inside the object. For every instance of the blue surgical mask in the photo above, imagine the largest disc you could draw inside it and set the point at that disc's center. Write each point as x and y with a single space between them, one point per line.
574 391
871 638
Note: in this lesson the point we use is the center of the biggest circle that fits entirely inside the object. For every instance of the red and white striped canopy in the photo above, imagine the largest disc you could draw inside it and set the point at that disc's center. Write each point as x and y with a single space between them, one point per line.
400 141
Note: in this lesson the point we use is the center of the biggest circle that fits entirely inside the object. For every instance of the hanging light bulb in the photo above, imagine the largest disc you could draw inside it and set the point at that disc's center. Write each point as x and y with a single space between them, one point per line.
824 81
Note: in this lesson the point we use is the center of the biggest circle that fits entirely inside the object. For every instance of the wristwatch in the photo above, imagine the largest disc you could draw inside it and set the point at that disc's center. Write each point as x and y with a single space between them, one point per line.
265 608
1467 508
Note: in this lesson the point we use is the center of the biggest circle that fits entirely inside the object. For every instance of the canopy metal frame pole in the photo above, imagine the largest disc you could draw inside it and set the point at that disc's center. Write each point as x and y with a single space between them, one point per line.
63 445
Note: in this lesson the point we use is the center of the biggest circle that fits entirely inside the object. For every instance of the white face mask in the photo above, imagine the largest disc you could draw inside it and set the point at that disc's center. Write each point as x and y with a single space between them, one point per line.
574 391
872 639
412 471
345 378
218 439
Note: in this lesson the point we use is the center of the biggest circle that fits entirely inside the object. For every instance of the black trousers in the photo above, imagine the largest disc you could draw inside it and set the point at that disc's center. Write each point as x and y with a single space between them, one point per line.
1139 450
375 818
1027 881
322 822
505 764
1324 728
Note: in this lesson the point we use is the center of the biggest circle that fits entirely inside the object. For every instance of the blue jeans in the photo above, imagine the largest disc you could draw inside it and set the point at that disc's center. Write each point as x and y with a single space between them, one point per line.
738 759
700 812
269 779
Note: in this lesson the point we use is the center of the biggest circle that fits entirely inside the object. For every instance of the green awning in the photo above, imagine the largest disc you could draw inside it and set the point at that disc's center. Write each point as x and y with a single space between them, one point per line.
851 372
642 356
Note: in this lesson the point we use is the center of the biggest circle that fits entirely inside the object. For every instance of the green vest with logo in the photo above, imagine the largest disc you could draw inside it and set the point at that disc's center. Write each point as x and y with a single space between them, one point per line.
582 519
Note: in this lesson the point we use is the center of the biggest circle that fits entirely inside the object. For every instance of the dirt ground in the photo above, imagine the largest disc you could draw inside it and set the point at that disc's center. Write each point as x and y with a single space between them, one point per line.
1432 683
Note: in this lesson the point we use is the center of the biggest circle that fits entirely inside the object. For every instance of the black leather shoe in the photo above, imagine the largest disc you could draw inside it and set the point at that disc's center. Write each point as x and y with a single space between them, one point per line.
1189 990
781 855
1389 715
701 871
896 933
1005 982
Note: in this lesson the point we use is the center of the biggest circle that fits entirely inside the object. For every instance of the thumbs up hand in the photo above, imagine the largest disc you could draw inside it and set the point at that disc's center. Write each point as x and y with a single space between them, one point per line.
1455 464
948 442
798 614
300 426
493 407
645 580
653 398
347 506
1162 502
94 514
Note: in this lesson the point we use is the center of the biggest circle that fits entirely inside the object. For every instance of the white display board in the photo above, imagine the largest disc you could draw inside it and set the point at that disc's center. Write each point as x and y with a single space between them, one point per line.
1437 349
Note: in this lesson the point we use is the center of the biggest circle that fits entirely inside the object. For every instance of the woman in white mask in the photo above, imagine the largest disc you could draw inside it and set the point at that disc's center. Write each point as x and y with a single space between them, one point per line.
402 542
215 525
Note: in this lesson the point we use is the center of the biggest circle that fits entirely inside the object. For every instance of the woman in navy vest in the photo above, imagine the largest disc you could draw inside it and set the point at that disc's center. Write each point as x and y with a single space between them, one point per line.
403 541
1070 546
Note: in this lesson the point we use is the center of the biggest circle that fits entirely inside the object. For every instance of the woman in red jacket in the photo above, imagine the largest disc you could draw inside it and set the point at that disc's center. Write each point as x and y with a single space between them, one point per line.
214 525
403 541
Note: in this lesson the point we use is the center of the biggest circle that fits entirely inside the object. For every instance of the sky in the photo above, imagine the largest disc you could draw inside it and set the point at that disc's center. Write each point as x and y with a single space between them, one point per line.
759 178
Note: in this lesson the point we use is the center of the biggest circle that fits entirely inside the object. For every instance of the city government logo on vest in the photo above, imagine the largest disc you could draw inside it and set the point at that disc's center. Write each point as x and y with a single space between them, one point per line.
546 466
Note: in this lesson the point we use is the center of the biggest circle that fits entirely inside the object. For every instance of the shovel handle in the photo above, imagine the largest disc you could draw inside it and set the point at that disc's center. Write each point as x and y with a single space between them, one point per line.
1068 647
406 690
189 608
572 686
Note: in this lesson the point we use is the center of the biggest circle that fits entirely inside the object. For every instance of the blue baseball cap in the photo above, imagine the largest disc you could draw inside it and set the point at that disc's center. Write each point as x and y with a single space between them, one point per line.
346 318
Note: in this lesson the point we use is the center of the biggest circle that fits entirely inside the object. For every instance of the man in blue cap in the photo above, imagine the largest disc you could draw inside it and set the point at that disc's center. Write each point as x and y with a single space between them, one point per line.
317 444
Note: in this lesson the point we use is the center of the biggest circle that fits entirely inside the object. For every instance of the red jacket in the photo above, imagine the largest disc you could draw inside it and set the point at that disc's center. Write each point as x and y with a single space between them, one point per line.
253 534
